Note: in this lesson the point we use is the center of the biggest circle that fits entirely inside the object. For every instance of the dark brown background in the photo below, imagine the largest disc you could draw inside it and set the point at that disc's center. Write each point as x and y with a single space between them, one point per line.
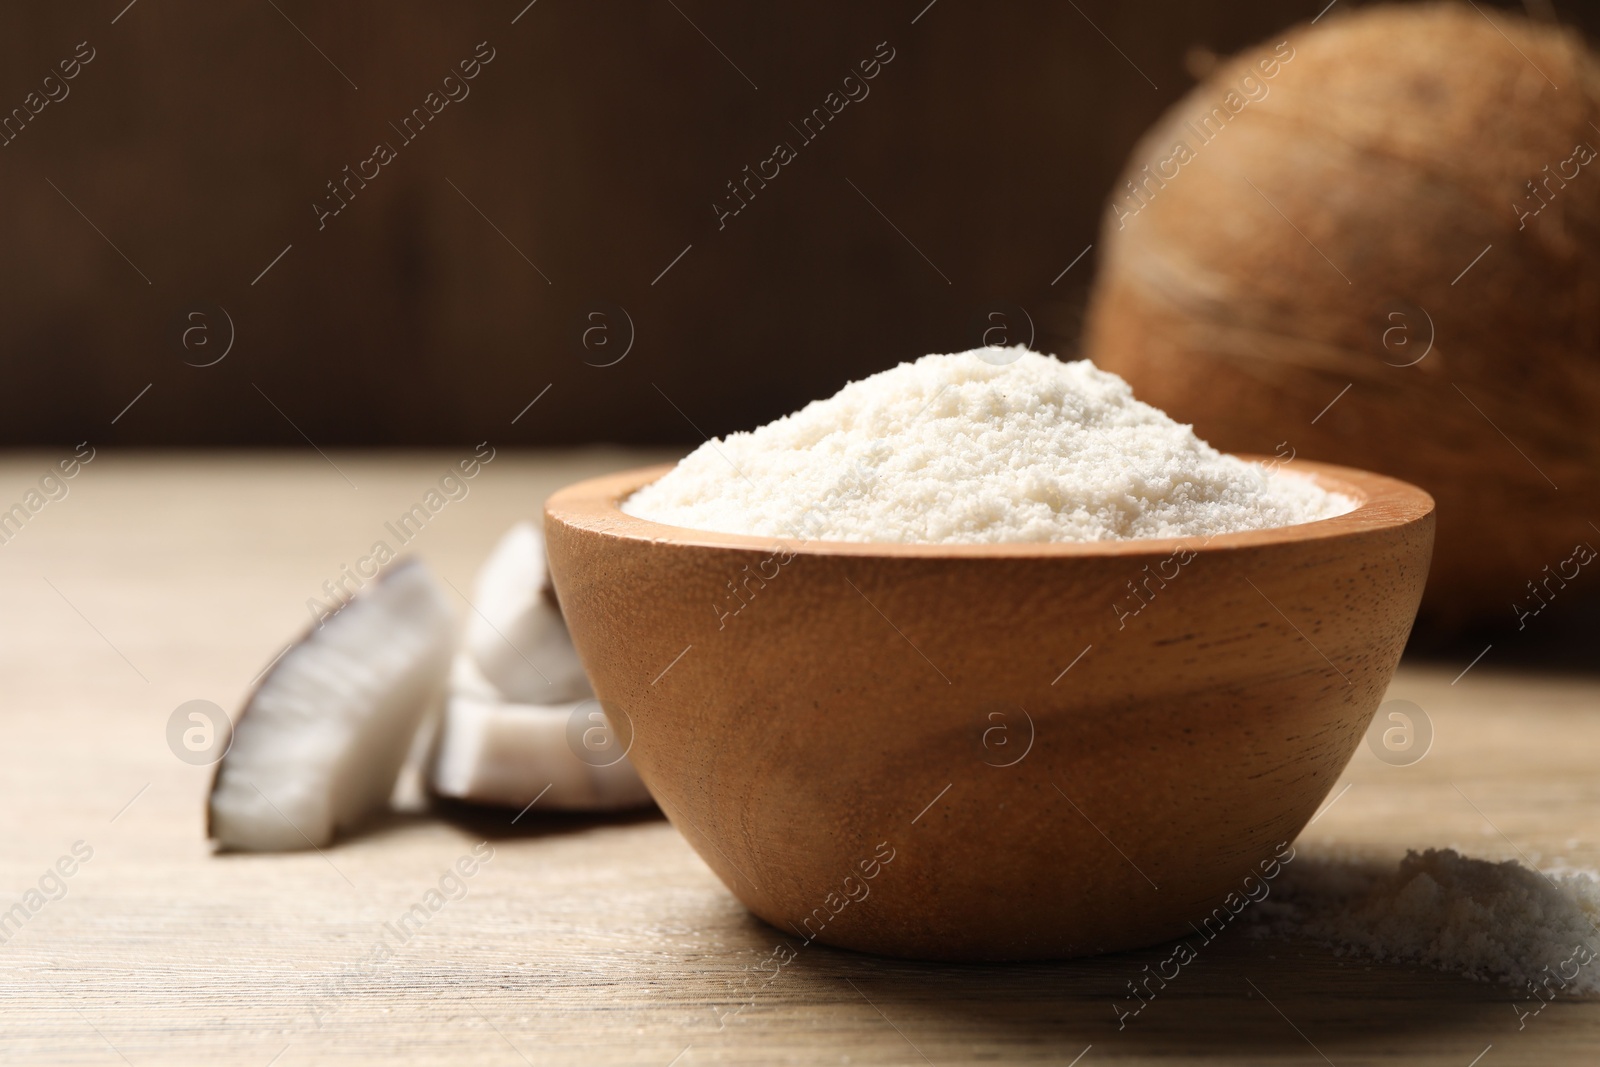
597 141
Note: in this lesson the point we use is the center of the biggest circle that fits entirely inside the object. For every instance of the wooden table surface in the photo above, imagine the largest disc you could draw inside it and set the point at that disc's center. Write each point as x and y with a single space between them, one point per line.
161 579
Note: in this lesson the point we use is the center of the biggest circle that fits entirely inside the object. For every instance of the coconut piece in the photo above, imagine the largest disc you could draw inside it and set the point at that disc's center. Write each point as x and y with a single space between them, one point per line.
1401 176
516 636
319 744
495 752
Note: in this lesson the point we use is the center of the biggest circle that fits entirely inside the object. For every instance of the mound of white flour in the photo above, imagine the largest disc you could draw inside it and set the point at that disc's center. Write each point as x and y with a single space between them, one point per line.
971 448
1491 921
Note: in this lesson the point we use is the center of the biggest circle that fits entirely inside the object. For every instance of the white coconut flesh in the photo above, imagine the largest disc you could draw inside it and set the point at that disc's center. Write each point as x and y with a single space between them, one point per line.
516 634
521 711
491 751
318 746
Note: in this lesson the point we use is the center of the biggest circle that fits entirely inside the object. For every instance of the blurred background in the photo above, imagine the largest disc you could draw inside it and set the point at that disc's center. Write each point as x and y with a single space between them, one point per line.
564 219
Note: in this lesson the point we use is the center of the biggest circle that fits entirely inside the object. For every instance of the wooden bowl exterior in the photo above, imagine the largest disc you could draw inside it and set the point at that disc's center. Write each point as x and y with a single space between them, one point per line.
966 752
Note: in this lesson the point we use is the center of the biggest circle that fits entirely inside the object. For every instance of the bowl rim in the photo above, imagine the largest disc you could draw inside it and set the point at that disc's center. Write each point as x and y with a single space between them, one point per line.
1382 503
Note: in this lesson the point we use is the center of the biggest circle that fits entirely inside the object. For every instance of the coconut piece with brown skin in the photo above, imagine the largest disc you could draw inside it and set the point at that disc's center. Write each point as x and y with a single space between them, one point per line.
1404 201
319 743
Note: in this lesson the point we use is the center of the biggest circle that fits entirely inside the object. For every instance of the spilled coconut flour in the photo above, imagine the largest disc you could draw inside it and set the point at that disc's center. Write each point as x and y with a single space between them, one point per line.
1490 921
977 447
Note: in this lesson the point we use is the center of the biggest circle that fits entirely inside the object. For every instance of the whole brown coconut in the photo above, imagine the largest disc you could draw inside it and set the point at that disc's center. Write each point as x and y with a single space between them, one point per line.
1376 241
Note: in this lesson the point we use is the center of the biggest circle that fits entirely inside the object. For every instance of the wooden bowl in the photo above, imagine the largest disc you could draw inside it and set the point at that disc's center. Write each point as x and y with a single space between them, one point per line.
991 752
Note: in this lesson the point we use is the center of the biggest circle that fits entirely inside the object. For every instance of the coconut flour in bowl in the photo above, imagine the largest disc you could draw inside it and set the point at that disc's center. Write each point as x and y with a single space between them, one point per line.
992 445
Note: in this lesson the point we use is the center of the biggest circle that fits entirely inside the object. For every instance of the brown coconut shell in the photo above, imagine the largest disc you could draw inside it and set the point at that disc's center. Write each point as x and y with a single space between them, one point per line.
1357 218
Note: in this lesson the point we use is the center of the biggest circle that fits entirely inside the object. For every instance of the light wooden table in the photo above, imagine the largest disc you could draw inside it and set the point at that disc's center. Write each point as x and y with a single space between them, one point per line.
160 579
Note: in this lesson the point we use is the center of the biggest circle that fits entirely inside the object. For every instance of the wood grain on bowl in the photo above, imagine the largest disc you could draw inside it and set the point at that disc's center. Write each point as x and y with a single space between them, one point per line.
995 752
